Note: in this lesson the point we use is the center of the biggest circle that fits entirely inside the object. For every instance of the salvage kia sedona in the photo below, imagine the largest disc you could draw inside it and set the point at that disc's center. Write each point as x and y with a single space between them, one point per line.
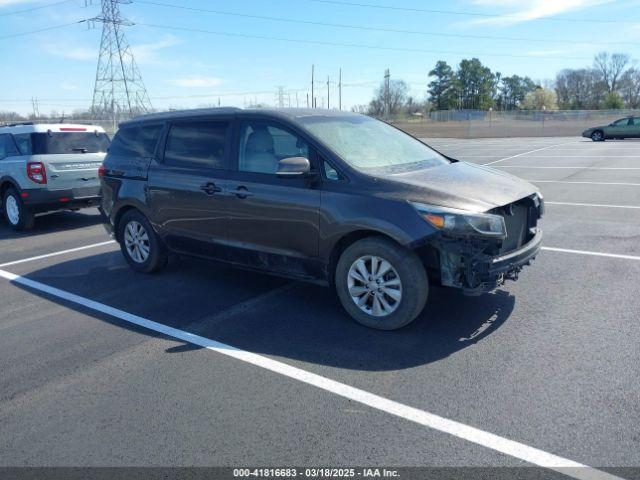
318 195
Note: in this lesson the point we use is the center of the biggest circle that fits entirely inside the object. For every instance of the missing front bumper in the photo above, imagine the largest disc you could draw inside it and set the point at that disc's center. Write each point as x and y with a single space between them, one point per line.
466 266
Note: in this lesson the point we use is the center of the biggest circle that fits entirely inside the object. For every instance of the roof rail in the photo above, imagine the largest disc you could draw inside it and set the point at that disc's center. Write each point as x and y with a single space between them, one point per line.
17 124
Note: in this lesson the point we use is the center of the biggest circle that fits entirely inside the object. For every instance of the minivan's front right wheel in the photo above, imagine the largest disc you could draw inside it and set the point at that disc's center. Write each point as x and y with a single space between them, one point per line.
140 244
380 284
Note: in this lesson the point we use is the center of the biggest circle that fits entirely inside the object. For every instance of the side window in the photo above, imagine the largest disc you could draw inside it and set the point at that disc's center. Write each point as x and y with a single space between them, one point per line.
197 144
636 121
24 142
3 146
135 141
330 173
263 145
7 147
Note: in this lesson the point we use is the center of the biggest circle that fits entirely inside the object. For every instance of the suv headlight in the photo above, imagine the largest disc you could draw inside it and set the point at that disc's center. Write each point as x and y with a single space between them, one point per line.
461 222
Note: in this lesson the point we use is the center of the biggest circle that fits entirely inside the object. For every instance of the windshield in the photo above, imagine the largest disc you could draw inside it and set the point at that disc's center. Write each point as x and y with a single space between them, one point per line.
59 143
371 145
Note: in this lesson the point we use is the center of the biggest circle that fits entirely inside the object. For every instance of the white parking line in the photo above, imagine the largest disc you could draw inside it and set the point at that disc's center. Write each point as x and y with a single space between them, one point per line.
63 252
430 420
622 184
570 168
594 254
598 205
526 153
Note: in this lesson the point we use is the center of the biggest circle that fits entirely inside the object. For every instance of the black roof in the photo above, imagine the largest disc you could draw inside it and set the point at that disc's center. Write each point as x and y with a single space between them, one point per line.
288 113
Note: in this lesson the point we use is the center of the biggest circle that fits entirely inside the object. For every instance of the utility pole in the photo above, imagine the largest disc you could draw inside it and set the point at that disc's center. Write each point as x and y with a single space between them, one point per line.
312 92
119 88
340 90
36 109
280 96
387 100
307 100
328 92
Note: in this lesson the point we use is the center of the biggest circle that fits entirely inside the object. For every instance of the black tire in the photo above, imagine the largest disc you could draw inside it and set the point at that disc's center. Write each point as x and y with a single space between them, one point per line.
598 136
24 219
156 259
409 268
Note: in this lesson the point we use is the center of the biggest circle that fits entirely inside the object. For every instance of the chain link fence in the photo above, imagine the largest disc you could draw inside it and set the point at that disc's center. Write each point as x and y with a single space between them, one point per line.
461 123
517 123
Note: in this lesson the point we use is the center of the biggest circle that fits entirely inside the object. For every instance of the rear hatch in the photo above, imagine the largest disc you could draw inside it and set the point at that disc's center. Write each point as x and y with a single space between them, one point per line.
79 171
71 158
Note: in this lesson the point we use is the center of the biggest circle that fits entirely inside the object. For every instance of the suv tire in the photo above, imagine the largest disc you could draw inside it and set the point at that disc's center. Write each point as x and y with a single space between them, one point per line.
15 211
380 284
140 244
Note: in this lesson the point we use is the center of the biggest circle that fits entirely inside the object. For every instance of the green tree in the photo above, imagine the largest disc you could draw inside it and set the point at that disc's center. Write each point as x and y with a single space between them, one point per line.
513 89
442 90
613 101
541 99
476 84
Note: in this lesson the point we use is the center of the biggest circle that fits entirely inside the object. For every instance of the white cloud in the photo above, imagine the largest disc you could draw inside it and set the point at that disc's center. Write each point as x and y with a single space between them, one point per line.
6 3
196 81
74 53
533 9
147 52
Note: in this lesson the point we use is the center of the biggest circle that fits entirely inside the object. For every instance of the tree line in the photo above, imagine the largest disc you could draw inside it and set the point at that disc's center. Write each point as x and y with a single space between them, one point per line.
612 82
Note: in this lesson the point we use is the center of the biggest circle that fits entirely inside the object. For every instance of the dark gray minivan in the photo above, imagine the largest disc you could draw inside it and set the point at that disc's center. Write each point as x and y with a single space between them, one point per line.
325 196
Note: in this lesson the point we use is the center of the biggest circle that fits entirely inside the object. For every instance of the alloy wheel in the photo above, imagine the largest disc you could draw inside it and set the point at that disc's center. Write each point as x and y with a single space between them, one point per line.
374 286
136 241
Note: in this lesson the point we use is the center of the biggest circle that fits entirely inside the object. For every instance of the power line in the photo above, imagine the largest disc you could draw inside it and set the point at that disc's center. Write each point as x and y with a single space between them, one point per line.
470 14
27 10
378 29
22 34
355 45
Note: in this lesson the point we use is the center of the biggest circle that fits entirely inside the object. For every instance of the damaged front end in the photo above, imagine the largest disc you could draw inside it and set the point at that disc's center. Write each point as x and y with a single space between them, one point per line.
479 252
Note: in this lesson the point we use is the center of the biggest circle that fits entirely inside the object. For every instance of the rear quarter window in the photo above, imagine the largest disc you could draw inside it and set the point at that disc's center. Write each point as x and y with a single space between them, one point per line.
136 141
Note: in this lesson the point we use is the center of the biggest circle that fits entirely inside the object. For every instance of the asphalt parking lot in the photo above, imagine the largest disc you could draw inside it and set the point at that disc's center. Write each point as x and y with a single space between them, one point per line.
105 367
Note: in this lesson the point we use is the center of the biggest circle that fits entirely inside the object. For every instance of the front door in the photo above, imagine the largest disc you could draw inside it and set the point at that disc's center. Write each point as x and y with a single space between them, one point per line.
622 128
186 187
635 121
273 221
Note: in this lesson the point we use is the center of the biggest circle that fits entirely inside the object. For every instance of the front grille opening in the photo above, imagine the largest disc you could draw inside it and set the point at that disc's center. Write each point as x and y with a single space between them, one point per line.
520 218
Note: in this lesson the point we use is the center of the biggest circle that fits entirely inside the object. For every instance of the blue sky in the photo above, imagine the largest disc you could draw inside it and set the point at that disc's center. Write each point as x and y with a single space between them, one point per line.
184 68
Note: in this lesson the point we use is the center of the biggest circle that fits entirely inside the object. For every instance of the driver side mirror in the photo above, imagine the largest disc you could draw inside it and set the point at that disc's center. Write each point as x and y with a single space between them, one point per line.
293 167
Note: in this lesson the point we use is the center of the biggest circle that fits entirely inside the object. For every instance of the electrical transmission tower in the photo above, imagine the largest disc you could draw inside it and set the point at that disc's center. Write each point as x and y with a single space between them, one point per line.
119 90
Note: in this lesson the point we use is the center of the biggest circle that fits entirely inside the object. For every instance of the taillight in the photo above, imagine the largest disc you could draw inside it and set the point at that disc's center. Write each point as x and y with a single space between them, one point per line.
101 171
36 172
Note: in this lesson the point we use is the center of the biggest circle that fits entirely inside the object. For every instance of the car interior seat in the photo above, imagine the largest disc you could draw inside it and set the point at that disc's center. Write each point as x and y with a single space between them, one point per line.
259 153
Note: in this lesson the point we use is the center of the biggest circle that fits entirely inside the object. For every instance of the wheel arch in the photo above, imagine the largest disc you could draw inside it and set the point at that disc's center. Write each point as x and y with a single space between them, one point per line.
121 211
5 184
348 239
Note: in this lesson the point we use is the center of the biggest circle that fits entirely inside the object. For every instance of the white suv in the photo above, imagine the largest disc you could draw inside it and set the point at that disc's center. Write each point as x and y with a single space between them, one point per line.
49 167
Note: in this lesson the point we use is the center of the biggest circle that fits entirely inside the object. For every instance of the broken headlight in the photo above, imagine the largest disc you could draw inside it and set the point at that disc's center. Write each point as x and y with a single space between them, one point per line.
462 222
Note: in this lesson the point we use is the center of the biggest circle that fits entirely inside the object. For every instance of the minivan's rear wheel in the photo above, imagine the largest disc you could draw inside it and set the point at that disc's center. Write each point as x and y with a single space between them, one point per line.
597 136
16 213
381 284
140 244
